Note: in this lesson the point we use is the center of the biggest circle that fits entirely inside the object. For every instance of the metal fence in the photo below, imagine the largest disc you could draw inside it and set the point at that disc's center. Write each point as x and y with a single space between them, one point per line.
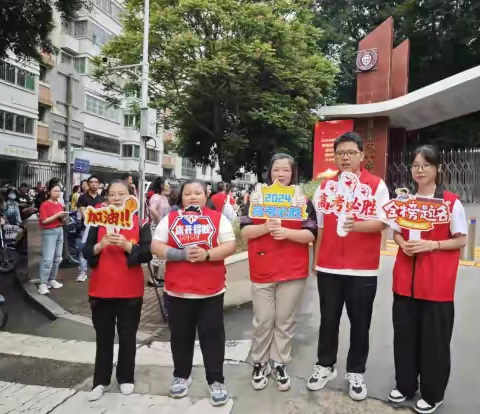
460 172
34 171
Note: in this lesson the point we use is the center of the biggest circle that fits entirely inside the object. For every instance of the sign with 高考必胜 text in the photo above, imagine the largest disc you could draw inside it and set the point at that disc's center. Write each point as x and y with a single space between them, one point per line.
278 202
191 228
111 217
417 213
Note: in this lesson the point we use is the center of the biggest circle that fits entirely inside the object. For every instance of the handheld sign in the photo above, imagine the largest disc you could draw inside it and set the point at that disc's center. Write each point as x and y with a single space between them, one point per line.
111 217
191 228
347 197
278 202
417 213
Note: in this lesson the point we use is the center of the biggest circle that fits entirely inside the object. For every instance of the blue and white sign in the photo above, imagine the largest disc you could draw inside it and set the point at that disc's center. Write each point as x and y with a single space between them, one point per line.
82 166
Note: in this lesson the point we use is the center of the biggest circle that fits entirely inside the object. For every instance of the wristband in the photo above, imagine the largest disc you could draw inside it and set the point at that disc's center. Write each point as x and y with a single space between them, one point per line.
176 255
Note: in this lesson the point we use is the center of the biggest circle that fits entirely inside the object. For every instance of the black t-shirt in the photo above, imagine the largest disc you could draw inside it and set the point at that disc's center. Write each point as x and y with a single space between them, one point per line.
86 200
24 201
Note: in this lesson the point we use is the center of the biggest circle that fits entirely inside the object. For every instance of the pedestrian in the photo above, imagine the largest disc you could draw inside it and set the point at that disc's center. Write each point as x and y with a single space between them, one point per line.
75 196
90 198
173 198
52 218
159 207
12 207
116 293
209 204
347 269
195 285
219 199
424 279
278 254
25 202
131 186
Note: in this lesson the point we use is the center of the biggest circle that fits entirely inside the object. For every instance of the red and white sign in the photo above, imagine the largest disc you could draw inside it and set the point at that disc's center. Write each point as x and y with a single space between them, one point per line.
191 228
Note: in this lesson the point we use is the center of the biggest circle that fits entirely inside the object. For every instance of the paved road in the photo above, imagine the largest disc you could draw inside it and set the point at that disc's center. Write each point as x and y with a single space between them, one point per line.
47 368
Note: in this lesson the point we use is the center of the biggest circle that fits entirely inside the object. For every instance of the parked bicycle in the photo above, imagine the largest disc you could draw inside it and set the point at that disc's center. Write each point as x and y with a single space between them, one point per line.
8 252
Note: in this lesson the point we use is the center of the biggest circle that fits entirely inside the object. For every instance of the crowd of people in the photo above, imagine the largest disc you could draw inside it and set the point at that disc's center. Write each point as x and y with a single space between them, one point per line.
194 277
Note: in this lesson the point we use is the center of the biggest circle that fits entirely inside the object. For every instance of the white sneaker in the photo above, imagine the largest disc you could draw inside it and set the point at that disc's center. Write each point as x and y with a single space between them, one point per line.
425 408
358 390
43 289
82 277
219 394
281 377
55 285
127 389
320 377
97 393
261 371
397 397
179 388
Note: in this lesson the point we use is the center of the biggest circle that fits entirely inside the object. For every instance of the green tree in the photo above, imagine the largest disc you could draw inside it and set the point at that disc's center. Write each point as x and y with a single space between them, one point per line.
240 77
26 25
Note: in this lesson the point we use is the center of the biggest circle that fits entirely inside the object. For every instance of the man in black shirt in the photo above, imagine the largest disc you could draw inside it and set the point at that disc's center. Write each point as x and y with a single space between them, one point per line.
25 202
90 198
131 187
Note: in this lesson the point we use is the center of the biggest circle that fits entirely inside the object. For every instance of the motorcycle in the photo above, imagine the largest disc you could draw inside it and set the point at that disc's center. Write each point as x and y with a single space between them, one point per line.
8 253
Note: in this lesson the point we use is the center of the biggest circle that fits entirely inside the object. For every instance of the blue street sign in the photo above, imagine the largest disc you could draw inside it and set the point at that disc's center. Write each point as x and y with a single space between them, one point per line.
82 166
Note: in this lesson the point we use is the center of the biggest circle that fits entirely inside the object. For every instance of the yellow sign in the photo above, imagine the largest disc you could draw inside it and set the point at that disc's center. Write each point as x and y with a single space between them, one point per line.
278 202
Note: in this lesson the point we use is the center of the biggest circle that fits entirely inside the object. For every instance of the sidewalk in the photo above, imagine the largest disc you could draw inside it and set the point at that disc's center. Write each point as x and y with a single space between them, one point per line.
73 297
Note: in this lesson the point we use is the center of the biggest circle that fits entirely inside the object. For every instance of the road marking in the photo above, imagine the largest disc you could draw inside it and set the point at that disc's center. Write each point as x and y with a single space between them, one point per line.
158 353
34 399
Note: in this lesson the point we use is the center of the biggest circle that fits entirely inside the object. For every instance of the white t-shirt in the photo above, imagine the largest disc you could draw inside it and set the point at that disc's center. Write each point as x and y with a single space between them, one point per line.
458 222
225 234
382 196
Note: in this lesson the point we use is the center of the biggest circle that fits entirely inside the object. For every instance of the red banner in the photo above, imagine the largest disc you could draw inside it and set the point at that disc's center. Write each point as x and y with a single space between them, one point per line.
325 134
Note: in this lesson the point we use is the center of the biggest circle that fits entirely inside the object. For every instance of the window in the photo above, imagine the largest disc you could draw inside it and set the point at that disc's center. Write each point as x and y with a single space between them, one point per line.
101 108
131 151
131 91
7 72
109 8
152 155
25 79
68 27
204 169
188 168
129 121
80 64
13 74
65 58
42 112
43 73
81 29
17 123
99 143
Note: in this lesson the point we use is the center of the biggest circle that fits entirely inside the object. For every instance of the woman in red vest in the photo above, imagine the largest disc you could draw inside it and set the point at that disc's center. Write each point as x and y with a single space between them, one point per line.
116 293
424 279
195 285
278 254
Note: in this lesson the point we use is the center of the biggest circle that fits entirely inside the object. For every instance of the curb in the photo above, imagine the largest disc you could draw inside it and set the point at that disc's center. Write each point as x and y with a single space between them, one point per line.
54 311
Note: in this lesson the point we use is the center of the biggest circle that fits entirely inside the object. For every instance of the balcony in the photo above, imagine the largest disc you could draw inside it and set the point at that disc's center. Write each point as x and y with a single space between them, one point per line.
69 43
45 95
168 161
43 136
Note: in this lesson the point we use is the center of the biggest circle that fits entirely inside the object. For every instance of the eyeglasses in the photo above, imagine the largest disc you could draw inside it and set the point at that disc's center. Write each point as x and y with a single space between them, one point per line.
349 154
424 167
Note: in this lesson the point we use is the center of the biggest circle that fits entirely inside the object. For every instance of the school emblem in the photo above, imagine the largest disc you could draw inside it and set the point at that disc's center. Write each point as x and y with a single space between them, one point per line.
367 59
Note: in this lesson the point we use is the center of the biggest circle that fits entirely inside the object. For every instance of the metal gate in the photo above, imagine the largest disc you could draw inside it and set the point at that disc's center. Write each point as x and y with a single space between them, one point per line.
38 171
460 172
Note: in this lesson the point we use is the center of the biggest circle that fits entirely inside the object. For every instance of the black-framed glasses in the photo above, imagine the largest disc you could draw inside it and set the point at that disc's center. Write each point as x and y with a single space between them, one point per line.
423 167
349 154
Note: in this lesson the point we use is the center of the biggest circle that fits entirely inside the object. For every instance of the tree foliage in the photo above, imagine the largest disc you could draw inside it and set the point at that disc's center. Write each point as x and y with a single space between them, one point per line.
239 77
26 25
444 36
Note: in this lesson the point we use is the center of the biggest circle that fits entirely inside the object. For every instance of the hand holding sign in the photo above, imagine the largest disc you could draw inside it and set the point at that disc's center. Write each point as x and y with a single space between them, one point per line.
196 254
111 217
256 197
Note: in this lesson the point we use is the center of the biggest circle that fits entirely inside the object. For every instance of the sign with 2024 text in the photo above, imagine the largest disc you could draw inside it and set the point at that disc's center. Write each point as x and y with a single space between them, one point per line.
111 217
417 213
278 202
191 228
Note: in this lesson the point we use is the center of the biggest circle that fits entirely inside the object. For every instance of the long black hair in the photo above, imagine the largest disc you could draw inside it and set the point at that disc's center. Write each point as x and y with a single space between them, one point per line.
158 186
432 156
293 166
190 181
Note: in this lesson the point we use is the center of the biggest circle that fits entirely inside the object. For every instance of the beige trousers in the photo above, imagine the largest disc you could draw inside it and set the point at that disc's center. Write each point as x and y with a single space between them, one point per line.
274 307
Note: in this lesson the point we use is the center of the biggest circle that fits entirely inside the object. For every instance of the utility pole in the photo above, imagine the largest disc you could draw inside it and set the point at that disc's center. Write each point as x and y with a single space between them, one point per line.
68 184
144 107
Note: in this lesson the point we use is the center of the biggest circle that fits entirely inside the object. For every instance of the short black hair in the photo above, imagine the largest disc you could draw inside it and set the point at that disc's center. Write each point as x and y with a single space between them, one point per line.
24 185
93 177
432 156
126 176
349 137
158 186
54 183
221 186
190 181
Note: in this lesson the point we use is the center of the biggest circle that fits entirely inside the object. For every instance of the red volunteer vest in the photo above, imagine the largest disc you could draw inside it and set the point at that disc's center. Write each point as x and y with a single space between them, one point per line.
201 278
112 277
358 251
431 275
273 260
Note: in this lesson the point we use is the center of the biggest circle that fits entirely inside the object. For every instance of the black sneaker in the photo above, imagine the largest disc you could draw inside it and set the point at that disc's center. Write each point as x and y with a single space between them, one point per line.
261 371
281 377
425 408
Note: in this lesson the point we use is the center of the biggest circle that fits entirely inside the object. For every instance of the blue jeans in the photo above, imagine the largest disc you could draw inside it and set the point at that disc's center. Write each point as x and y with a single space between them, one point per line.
82 268
52 254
